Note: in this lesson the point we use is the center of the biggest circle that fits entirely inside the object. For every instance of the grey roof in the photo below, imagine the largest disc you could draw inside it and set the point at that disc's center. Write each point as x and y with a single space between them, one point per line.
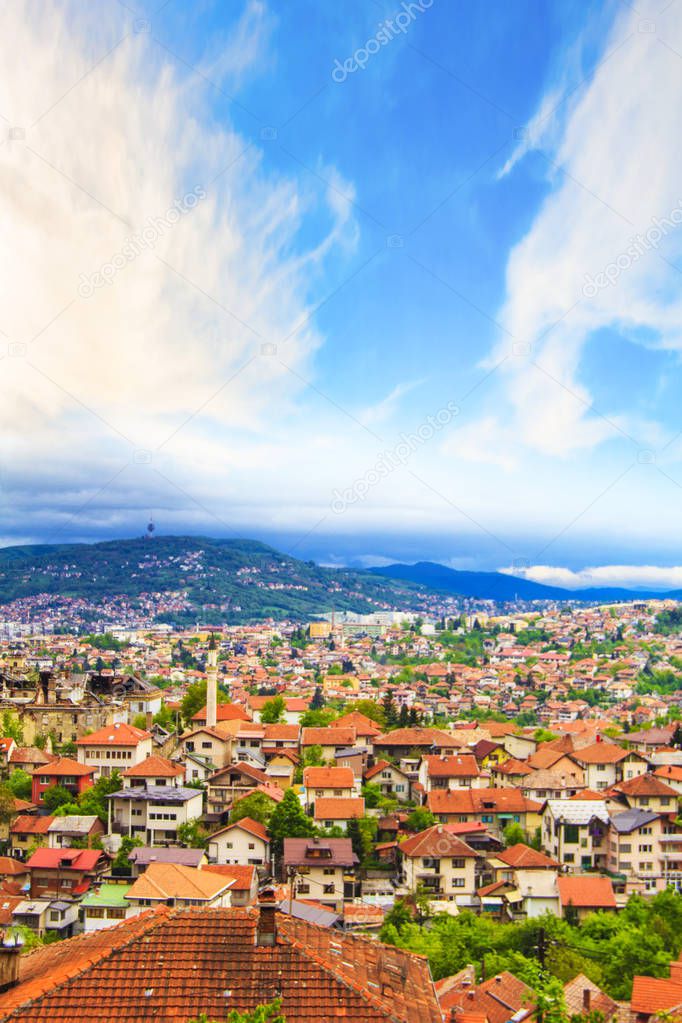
156 794
144 855
312 914
630 820
73 825
578 811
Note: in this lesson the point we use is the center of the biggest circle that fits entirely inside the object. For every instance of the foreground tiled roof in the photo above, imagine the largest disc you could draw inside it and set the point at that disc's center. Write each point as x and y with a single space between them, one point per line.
26 824
172 965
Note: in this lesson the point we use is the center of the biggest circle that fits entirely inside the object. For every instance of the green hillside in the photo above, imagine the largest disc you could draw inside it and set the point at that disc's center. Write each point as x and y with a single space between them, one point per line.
221 580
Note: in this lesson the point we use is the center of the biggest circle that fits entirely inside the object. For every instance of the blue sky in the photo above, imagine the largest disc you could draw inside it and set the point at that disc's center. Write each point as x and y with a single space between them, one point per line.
411 241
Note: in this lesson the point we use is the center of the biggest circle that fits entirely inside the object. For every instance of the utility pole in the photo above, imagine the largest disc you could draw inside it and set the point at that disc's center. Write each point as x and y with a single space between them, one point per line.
541 947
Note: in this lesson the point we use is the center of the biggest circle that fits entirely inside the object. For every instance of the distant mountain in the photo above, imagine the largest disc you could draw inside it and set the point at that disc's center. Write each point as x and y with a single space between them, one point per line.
501 587
200 579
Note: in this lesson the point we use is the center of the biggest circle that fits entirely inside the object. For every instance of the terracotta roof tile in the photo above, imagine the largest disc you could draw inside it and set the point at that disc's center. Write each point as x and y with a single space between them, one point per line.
173 965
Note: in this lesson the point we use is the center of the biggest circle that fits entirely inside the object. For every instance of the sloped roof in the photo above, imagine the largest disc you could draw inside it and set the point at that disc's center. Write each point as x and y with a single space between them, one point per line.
119 734
328 778
523 857
436 841
162 881
174 964
67 859
586 891
459 765
154 767
63 767
26 824
330 808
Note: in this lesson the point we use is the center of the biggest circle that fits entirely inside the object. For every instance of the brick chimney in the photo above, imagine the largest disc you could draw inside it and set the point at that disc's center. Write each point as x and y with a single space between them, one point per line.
10 949
587 999
266 930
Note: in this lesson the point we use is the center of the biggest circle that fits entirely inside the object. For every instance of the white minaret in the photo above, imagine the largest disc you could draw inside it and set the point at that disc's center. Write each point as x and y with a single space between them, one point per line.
211 682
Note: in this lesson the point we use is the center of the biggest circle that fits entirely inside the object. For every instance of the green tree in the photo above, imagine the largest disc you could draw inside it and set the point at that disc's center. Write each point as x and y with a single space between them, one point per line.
317 702
420 819
289 820
318 718
257 805
54 797
121 865
273 710
7 811
513 834
192 835
269 1013
12 727
20 783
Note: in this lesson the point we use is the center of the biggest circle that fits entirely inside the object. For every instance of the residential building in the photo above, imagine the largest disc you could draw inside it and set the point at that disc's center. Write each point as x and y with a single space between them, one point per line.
153 813
64 831
64 873
440 862
336 813
244 842
65 772
322 869
114 747
105 906
584 894
575 832
392 780
327 782
171 884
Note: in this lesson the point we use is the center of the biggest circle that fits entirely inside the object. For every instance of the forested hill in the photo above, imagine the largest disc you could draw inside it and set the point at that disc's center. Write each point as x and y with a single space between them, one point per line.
233 580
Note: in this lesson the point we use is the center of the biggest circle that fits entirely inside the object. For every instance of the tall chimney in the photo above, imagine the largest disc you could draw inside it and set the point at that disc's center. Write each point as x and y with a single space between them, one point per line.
266 932
587 999
10 948
211 683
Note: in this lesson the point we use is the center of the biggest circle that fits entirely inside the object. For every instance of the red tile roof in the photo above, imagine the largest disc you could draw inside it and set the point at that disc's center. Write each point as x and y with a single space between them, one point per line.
242 876
461 765
436 842
328 736
248 824
481 801
654 994
119 734
29 825
224 712
154 767
338 809
524 857
63 767
328 778
67 859
171 964
585 891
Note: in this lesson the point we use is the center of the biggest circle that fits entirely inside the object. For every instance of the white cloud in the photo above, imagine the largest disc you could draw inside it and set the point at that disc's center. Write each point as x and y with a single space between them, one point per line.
115 132
627 576
613 168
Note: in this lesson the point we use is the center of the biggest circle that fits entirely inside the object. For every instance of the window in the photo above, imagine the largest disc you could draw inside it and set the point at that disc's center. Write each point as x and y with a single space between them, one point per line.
328 889
645 848
252 845
458 862
571 833
458 882
302 889
329 870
